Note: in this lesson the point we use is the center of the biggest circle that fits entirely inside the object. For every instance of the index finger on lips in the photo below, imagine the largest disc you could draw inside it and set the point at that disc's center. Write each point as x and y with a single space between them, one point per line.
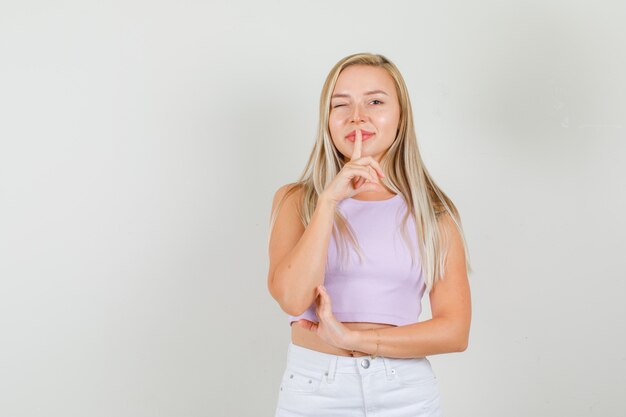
358 139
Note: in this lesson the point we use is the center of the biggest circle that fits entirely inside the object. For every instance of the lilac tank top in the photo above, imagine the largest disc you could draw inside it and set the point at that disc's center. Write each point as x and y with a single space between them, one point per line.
384 288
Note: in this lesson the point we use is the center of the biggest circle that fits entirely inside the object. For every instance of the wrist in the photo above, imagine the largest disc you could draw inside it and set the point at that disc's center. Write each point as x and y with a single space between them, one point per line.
353 340
367 341
325 200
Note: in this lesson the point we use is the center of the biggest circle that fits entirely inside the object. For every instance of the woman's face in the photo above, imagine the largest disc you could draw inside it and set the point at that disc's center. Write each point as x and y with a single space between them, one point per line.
364 98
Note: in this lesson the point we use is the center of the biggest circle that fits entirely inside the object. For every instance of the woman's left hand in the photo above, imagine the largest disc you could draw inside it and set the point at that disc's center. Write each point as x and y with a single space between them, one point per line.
329 329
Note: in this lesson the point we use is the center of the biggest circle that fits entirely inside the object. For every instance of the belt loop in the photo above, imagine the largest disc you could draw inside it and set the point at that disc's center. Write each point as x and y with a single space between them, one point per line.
330 374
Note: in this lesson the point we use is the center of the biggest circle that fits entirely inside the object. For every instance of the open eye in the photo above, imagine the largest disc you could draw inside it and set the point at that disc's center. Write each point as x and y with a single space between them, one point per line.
376 101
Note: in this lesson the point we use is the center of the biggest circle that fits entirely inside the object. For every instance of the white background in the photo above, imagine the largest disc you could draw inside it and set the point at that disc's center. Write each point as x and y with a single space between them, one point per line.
141 143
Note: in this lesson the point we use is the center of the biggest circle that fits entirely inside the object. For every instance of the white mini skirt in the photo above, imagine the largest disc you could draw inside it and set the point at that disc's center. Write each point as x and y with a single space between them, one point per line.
320 384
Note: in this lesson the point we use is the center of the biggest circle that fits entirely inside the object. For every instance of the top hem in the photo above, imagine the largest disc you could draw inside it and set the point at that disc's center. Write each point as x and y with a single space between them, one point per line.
359 317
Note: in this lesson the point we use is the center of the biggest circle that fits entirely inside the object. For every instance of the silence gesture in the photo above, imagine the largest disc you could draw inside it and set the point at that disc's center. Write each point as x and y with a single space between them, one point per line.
358 175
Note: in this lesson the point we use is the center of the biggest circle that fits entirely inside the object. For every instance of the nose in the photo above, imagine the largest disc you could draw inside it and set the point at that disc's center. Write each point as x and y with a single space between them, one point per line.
358 114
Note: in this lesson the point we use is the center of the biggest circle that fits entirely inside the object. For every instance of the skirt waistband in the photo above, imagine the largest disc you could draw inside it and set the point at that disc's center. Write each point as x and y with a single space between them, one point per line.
302 358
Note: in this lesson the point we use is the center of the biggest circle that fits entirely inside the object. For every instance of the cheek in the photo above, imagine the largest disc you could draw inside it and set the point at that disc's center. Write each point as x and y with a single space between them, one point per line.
334 119
334 126
388 122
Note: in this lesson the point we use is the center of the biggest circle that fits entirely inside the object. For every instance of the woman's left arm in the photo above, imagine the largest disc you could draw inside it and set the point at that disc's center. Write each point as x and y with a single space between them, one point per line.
447 331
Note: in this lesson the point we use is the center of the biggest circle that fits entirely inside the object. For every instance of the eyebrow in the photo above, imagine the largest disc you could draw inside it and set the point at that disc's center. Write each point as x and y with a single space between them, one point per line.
367 94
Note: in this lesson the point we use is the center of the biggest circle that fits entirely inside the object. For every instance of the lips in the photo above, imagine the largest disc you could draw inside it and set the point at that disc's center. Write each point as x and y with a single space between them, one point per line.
364 134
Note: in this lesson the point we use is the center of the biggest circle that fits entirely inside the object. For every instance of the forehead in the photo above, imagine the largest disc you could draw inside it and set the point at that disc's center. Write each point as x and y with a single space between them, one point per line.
357 79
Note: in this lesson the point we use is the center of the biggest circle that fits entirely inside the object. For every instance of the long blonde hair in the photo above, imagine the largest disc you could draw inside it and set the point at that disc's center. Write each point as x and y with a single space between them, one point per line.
404 170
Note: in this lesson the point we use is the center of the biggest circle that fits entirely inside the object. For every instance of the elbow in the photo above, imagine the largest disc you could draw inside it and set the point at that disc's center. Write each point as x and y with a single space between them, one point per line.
292 311
292 306
461 345
287 301
285 304
455 344
456 337
292 300
461 342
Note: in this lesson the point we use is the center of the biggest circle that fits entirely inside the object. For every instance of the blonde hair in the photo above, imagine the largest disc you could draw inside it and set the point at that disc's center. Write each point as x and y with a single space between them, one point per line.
404 170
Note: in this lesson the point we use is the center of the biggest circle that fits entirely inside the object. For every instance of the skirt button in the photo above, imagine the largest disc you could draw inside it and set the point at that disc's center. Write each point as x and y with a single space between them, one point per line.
365 363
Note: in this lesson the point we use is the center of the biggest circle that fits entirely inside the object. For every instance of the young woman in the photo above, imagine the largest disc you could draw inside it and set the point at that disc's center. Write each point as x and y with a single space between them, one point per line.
353 245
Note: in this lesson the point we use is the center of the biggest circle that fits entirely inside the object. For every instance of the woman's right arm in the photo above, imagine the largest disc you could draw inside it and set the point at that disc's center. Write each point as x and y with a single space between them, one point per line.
298 254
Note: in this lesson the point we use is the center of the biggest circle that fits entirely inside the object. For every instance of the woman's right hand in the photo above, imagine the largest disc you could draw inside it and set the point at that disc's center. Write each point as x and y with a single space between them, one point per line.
358 175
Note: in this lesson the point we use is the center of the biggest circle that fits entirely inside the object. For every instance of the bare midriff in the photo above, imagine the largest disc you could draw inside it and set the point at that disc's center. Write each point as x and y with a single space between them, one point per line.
308 339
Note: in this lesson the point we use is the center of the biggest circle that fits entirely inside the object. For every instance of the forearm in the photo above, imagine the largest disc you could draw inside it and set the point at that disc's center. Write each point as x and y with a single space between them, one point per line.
303 268
430 337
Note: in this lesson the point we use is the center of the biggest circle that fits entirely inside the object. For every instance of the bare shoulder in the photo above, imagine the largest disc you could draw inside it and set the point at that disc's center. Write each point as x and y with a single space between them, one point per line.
287 198
446 222
455 245
287 226
289 193
450 296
